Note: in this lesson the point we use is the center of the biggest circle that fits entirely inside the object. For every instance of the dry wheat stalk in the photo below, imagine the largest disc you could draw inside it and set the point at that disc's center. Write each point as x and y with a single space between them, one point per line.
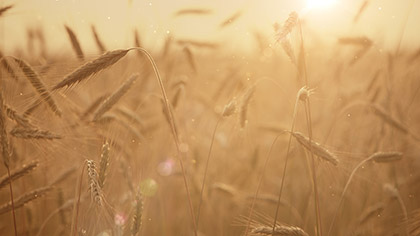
4 140
230 19
229 108
98 41
20 120
316 148
387 118
16 174
229 189
243 109
137 41
93 106
278 231
115 97
361 10
75 43
179 91
370 212
129 115
288 49
386 156
4 9
22 200
190 58
8 68
92 67
288 26
198 44
360 41
33 133
39 86
192 11
95 189
103 164
137 215
62 176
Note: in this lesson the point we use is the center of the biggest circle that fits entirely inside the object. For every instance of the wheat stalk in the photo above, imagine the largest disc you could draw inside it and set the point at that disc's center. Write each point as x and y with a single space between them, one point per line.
137 216
278 231
8 68
115 97
16 174
103 164
33 133
4 9
22 200
95 189
288 26
75 43
243 109
230 19
92 67
192 11
316 148
39 86
20 120
98 41
379 157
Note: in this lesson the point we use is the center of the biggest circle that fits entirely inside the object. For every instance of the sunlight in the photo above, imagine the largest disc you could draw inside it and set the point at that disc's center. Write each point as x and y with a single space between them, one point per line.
320 3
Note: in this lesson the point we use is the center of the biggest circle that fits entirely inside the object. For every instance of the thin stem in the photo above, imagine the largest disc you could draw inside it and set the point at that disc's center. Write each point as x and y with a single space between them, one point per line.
76 211
259 185
174 132
308 120
205 170
285 164
344 191
11 199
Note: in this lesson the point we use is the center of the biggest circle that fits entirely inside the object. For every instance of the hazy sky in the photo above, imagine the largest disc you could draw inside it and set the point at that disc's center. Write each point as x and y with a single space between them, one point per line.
115 20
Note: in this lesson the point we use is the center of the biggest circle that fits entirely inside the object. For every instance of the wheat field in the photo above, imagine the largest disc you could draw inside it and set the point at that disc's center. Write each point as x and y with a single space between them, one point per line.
287 134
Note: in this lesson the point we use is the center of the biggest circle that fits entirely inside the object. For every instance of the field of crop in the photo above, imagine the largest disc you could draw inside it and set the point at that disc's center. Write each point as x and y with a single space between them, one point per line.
295 135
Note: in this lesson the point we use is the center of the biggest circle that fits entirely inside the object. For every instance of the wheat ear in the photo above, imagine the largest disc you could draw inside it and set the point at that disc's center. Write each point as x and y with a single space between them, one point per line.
115 97
75 43
16 174
39 86
92 67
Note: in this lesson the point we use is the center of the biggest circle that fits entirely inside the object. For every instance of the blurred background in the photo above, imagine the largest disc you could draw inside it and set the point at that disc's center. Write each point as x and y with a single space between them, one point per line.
382 21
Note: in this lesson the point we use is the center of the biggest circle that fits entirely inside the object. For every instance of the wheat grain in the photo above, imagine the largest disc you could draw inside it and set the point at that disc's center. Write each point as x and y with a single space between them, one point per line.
94 188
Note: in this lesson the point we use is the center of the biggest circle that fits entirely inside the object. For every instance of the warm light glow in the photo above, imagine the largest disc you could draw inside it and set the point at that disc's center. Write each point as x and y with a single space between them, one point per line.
320 3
